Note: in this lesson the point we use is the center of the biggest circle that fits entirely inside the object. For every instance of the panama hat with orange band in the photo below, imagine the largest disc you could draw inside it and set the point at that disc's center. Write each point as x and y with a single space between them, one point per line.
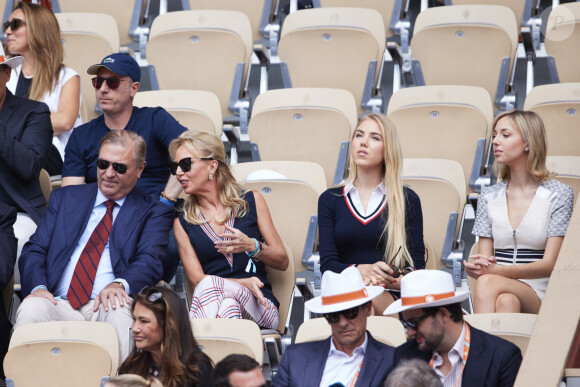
342 291
11 62
424 289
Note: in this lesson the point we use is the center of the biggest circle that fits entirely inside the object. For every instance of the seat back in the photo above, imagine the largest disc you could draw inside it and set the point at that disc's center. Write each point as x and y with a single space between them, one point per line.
194 109
306 171
45 184
440 184
514 327
283 288
303 125
559 107
99 334
387 330
122 11
562 40
442 122
449 42
568 171
314 43
291 204
87 38
259 12
219 338
522 9
199 50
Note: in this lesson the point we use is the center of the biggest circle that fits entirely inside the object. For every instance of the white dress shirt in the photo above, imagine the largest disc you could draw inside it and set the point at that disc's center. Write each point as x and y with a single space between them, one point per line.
456 359
341 368
375 201
105 273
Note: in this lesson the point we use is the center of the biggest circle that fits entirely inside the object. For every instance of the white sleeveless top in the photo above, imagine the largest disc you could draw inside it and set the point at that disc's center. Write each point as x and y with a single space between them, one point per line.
52 100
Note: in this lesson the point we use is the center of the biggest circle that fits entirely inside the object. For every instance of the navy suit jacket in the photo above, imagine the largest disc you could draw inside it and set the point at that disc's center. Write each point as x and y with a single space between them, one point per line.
302 364
25 138
492 361
137 242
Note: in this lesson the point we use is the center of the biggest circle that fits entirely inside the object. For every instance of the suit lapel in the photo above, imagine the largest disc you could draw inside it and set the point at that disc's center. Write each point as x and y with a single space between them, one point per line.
75 205
316 362
371 363
129 215
7 107
478 361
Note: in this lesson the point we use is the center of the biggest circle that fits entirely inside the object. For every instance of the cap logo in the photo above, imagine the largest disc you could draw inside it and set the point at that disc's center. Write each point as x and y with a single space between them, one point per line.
429 298
108 60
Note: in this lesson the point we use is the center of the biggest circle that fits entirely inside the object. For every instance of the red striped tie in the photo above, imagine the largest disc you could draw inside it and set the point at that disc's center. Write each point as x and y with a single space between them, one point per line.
81 284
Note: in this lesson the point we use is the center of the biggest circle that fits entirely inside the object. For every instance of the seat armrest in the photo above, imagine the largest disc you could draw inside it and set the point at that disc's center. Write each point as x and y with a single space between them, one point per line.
153 77
552 69
308 252
255 152
341 163
505 101
371 101
476 180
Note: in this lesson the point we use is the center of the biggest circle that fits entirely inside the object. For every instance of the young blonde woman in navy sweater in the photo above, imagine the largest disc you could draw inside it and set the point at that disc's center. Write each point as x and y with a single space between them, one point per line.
372 221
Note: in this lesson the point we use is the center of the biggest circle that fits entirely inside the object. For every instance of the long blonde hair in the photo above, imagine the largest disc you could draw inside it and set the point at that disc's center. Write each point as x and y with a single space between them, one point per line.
531 127
394 230
203 144
43 34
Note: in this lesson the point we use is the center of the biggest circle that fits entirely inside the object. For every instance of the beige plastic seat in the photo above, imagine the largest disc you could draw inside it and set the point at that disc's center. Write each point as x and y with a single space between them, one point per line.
334 47
466 45
514 327
201 50
219 338
522 9
306 171
259 12
40 354
562 39
127 13
440 184
87 38
194 109
304 125
568 171
387 330
45 184
444 122
559 107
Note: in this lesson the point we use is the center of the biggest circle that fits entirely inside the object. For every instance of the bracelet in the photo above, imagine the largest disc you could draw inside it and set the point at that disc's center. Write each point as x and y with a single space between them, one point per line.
165 196
251 255
165 201
258 255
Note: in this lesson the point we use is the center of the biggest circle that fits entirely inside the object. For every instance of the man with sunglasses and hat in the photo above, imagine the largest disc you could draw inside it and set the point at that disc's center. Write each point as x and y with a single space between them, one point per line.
460 354
98 244
350 356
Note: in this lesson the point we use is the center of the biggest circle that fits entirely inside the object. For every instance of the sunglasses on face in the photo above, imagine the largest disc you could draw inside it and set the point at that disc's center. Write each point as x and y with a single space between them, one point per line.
184 164
14 24
112 82
349 314
414 322
117 167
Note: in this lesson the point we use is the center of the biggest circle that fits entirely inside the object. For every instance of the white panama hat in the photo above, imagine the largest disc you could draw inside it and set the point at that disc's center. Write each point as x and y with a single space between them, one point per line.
342 291
426 288
11 62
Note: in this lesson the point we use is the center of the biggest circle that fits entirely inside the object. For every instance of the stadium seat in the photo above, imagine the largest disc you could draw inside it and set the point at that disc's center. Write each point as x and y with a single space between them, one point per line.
522 9
466 45
87 38
45 184
562 41
559 107
304 125
202 50
219 338
194 109
568 171
514 327
440 185
40 354
445 122
387 330
305 171
127 13
334 47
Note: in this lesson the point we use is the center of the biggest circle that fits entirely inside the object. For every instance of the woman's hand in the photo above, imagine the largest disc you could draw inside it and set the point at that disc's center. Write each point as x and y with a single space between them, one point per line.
238 242
378 274
480 264
255 286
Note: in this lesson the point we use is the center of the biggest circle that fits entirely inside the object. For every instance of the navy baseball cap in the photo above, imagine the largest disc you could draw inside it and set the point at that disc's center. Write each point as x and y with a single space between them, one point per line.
120 64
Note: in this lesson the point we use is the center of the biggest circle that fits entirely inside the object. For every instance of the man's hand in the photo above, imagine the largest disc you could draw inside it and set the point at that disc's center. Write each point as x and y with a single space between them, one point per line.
109 295
43 294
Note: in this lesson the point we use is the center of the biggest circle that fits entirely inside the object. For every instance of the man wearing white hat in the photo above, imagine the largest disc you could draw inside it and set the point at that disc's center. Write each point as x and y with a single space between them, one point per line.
460 354
350 356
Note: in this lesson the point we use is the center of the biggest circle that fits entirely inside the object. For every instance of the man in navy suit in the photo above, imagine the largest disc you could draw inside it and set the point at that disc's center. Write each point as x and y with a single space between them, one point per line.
350 356
131 256
25 138
459 353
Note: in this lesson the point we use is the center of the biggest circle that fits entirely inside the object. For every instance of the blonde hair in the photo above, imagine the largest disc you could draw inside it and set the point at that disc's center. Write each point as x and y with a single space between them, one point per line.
43 35
531 127
203 144
394 230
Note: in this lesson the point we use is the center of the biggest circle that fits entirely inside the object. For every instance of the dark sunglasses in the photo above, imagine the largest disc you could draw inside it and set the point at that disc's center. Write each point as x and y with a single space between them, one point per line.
184 164
152 294
349 314
112 82
117 167
414 322
14 24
